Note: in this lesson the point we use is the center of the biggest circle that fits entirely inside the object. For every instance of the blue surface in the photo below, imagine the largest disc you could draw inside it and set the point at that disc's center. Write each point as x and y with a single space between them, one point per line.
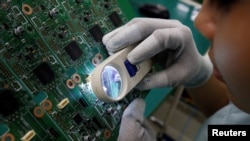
132 69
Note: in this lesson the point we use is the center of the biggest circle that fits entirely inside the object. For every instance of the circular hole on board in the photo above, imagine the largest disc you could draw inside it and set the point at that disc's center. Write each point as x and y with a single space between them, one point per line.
38 112
94 62
47 105
76 78
70 84
99 57
26 9
8 137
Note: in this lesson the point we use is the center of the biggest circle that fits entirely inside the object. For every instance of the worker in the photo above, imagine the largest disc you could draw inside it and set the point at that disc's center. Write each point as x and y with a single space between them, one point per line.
219 83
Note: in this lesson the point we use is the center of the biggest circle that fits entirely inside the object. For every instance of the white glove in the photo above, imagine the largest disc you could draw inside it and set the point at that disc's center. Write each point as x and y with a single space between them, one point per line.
168 41
134 127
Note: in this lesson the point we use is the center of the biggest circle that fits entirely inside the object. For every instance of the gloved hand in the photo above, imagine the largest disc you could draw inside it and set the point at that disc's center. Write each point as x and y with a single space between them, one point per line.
166 41
134 127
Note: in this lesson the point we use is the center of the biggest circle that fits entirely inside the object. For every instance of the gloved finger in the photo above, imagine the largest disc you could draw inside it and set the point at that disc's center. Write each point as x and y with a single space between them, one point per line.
149 130
135 31
132 130
135 109
173 76
159 40
134 126
110 35
128 35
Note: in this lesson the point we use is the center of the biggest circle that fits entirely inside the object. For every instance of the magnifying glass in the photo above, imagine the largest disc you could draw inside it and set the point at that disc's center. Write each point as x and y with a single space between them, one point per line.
111 81
115 77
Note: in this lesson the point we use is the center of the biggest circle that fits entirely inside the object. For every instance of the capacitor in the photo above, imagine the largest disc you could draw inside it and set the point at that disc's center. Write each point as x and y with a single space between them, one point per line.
107 134
18 31
62 34
53 12
109 110
87 16
87 138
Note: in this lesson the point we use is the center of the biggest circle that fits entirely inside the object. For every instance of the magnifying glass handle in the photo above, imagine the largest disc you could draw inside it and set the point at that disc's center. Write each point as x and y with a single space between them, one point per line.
130 75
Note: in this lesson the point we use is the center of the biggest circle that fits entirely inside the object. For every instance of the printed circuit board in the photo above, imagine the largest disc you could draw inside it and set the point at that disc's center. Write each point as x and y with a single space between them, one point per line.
48 48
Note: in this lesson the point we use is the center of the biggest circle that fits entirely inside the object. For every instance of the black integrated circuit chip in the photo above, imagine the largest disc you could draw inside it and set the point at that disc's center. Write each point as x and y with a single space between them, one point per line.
82 102
8 103
98 122
73 50
77 118
96 33
52 132
44 73
115 19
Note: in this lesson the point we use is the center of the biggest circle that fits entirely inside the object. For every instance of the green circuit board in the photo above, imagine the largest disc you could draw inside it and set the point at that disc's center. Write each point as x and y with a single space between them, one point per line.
48 48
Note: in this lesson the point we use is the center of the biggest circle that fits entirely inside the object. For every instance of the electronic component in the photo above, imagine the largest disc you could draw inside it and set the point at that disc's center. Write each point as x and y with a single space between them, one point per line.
47 105
77 118
62 34
16 86
26 9
87 16
82 102
48 51
38 112
8 137
28 136
96 33
115 19
115 77
8 103
78 1
19 31
70 84
97 59
107 134
44 73
106 4
76 78
52 132
109 110
53 12
73 50
63 103
98 123
87 138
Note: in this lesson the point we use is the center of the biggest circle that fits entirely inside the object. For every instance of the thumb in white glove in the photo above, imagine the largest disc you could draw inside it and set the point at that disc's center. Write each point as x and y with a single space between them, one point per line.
184 65
134 127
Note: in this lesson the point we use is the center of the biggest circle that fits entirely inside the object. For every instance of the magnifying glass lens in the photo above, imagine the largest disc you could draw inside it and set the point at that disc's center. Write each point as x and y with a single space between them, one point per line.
111 81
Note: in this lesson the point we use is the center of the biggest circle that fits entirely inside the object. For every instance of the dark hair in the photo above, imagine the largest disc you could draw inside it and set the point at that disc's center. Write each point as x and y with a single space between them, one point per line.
223 4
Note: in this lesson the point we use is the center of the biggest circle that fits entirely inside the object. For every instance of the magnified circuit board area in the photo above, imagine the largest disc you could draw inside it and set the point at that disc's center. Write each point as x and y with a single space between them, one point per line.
111 81
48 49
